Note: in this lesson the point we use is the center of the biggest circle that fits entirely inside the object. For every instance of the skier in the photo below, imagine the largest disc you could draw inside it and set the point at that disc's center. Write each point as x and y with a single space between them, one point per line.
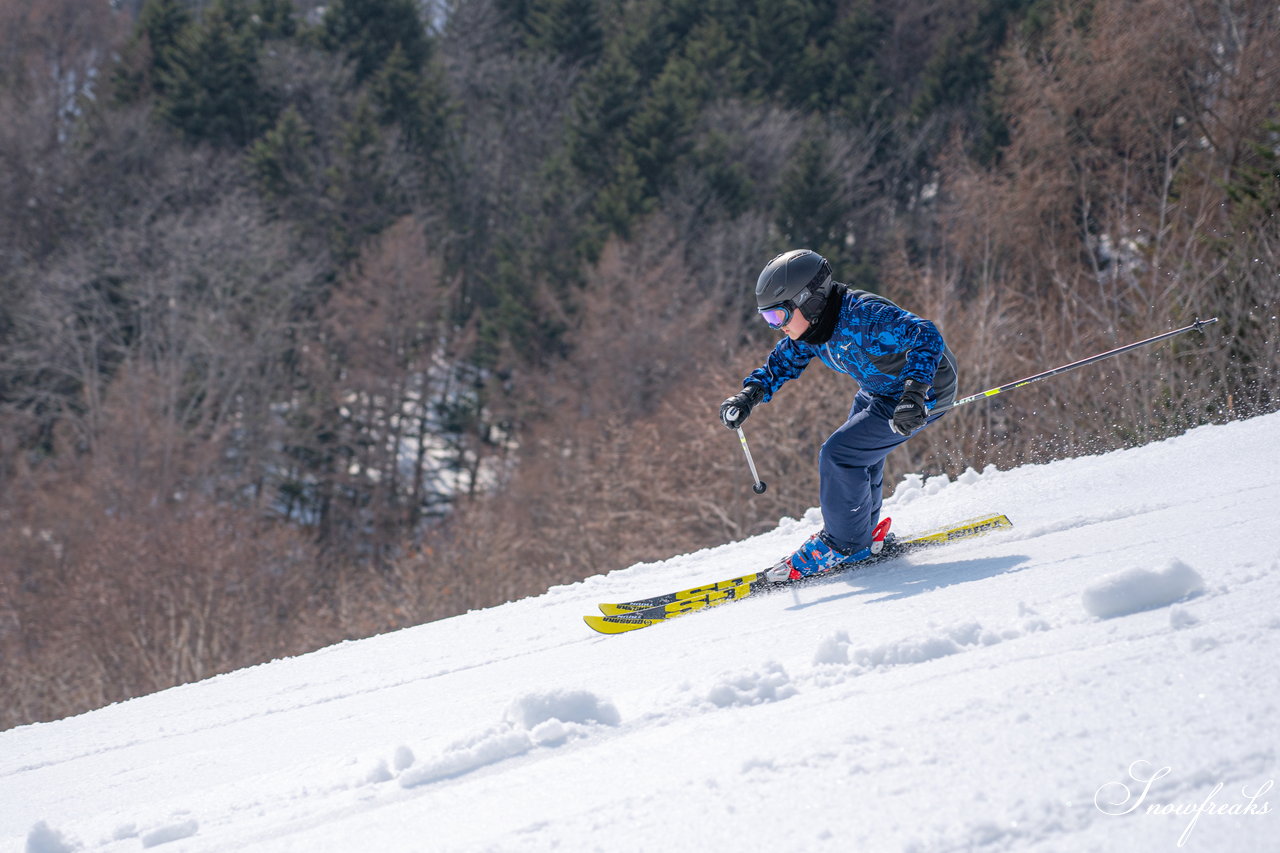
899 360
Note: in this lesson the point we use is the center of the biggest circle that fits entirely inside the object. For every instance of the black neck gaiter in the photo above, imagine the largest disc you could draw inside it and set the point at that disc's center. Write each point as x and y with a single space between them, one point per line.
820 332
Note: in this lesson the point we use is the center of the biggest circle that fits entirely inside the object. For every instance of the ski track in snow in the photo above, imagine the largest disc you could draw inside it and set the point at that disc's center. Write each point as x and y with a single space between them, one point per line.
983 696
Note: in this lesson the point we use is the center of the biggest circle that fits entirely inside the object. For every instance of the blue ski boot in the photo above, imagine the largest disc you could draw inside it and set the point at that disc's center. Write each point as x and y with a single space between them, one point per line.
816 556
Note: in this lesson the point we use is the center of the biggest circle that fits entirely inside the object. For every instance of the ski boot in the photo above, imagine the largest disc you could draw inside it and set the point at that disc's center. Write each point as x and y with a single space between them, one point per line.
816 556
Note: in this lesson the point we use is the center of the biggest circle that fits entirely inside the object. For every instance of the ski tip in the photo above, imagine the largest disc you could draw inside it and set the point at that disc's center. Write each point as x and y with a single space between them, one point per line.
613 625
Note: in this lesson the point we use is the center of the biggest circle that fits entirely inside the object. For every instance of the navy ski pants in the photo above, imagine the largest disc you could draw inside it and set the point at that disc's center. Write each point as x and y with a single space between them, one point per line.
851 468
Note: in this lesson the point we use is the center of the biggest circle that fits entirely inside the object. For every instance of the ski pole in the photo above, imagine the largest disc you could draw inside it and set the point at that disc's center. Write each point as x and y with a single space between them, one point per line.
1198 325
759 485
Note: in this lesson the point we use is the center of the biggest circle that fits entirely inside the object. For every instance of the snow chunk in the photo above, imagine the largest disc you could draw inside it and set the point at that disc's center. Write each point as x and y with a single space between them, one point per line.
938 642
567 706
941 643
378 773
45 839
752 687
936 484
531 721
915 486
489 747
403 758
1180 619
551 733
1134 590
913 650
911 488
833 649
170 832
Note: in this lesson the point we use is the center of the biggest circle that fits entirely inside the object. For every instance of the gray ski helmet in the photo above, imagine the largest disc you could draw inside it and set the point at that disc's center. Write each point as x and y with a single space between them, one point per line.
794 277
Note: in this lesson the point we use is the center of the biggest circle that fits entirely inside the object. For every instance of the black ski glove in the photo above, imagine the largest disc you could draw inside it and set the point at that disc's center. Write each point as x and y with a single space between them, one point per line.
734 410
910 413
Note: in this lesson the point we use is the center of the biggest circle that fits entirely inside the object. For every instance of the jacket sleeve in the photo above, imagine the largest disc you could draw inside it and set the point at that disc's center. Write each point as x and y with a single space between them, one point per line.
787 360
916 338
926 346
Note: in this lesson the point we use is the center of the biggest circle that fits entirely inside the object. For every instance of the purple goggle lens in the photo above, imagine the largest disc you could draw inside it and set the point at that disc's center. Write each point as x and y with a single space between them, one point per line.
777 316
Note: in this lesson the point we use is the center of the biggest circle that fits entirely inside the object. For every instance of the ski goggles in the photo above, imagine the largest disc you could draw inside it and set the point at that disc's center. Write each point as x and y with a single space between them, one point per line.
777 316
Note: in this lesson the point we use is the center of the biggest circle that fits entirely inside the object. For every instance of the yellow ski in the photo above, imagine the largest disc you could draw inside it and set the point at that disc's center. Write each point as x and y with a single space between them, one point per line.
626 616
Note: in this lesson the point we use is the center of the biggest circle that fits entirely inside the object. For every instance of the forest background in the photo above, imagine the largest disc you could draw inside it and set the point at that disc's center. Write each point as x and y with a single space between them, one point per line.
318 321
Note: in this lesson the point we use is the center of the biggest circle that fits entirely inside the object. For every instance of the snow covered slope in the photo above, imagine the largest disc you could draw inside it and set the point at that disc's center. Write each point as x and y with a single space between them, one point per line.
1102 677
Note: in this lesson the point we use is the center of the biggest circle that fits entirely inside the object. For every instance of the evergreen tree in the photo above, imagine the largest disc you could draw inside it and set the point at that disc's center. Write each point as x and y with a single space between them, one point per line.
963 61
415 101
717 58
661 132
727 179
282 160
569 29
395 89
368 31
603 107
275 19
147 58
848 73
1254 189
359 187
210 90
809 211
623 198
776 39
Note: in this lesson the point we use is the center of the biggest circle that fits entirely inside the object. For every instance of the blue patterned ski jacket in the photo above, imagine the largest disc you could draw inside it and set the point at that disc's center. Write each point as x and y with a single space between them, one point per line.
877 343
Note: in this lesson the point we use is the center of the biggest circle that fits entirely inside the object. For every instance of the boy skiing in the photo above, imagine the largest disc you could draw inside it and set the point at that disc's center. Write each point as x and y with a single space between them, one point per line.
899 360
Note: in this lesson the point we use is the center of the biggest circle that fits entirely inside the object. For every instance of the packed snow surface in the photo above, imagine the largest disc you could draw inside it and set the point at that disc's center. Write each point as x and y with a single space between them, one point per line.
1104 676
